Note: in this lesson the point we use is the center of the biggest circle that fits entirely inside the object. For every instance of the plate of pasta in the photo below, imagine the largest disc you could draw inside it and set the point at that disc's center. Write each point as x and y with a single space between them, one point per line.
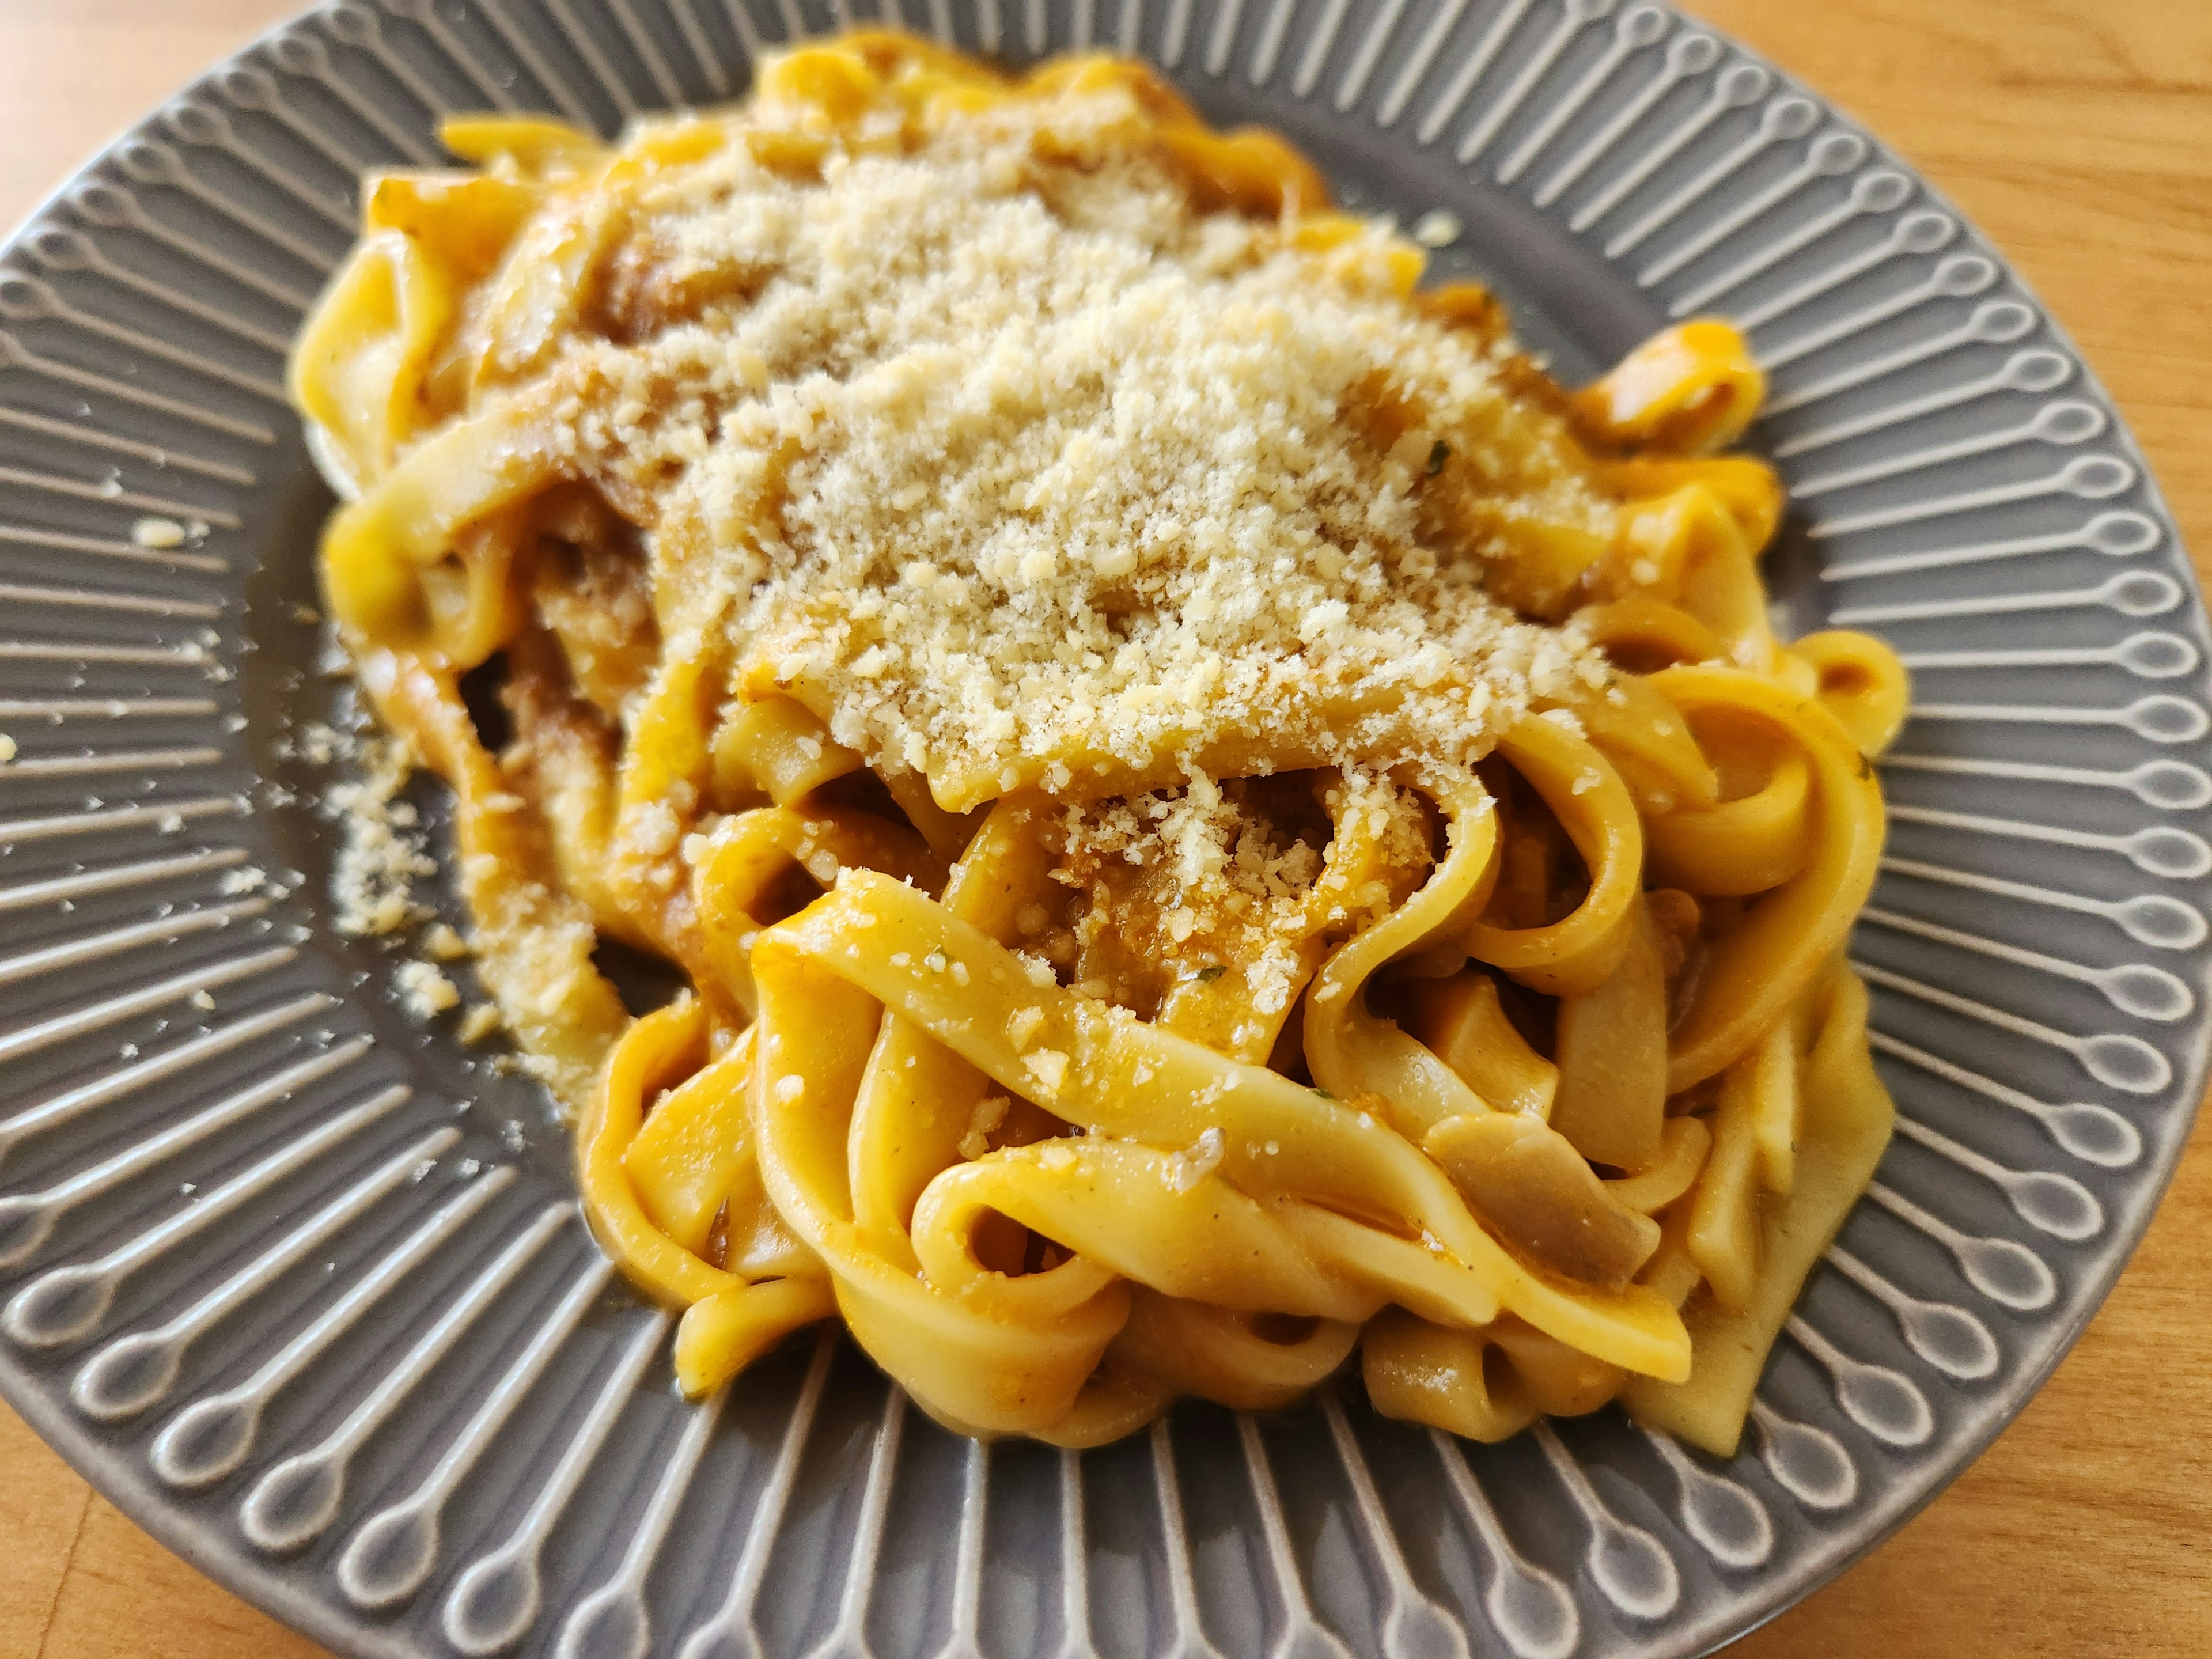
1143 828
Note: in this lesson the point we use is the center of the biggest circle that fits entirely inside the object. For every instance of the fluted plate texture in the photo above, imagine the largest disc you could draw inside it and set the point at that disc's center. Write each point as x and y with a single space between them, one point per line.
302 1285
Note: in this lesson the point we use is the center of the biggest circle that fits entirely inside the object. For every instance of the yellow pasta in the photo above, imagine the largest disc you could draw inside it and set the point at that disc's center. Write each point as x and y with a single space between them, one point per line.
1212 817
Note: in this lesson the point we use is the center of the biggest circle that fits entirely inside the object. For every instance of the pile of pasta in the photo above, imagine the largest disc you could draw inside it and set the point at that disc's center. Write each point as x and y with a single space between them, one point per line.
1562 1086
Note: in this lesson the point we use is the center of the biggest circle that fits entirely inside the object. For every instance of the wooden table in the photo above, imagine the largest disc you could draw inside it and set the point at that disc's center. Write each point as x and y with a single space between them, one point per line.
2078 134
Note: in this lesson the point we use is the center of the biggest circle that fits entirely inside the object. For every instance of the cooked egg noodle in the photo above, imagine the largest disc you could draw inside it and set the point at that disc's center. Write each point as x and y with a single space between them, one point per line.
1589 1088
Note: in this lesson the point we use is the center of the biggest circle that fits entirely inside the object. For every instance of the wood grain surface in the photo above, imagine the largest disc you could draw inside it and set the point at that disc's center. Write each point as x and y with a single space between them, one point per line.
2078 135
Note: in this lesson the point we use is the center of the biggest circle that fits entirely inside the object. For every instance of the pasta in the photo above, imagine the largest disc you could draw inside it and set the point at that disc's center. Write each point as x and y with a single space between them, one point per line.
1211 816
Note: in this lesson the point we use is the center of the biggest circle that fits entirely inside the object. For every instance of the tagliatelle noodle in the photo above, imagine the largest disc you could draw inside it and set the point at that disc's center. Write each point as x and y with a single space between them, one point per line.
1211 815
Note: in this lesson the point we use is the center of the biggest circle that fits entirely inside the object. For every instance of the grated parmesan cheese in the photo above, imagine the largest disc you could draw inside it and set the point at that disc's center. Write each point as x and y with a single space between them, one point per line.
1049 1067
1438 227
320 743
383 854
1022 1027
1189 1167
990 1112
424 992
1014 463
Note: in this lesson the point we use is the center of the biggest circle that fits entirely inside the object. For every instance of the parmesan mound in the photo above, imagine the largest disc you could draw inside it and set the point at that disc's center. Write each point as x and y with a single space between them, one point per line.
1027 474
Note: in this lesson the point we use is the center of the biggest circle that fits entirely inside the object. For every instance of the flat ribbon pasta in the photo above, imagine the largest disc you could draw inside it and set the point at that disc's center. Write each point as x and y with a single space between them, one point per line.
1151 920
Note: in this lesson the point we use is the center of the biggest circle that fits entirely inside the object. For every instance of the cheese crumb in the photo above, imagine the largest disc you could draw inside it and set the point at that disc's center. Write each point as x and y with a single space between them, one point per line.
1438 227
990 1112
424 992
319 744
383 854
1187 1169
1049 1067
160 534
480 1022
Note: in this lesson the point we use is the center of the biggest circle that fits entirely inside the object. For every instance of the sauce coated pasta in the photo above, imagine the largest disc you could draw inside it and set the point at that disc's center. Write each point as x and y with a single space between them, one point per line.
1214 818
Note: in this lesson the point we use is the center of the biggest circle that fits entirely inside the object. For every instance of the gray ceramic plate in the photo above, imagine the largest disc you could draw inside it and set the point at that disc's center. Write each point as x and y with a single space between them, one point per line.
300 1285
